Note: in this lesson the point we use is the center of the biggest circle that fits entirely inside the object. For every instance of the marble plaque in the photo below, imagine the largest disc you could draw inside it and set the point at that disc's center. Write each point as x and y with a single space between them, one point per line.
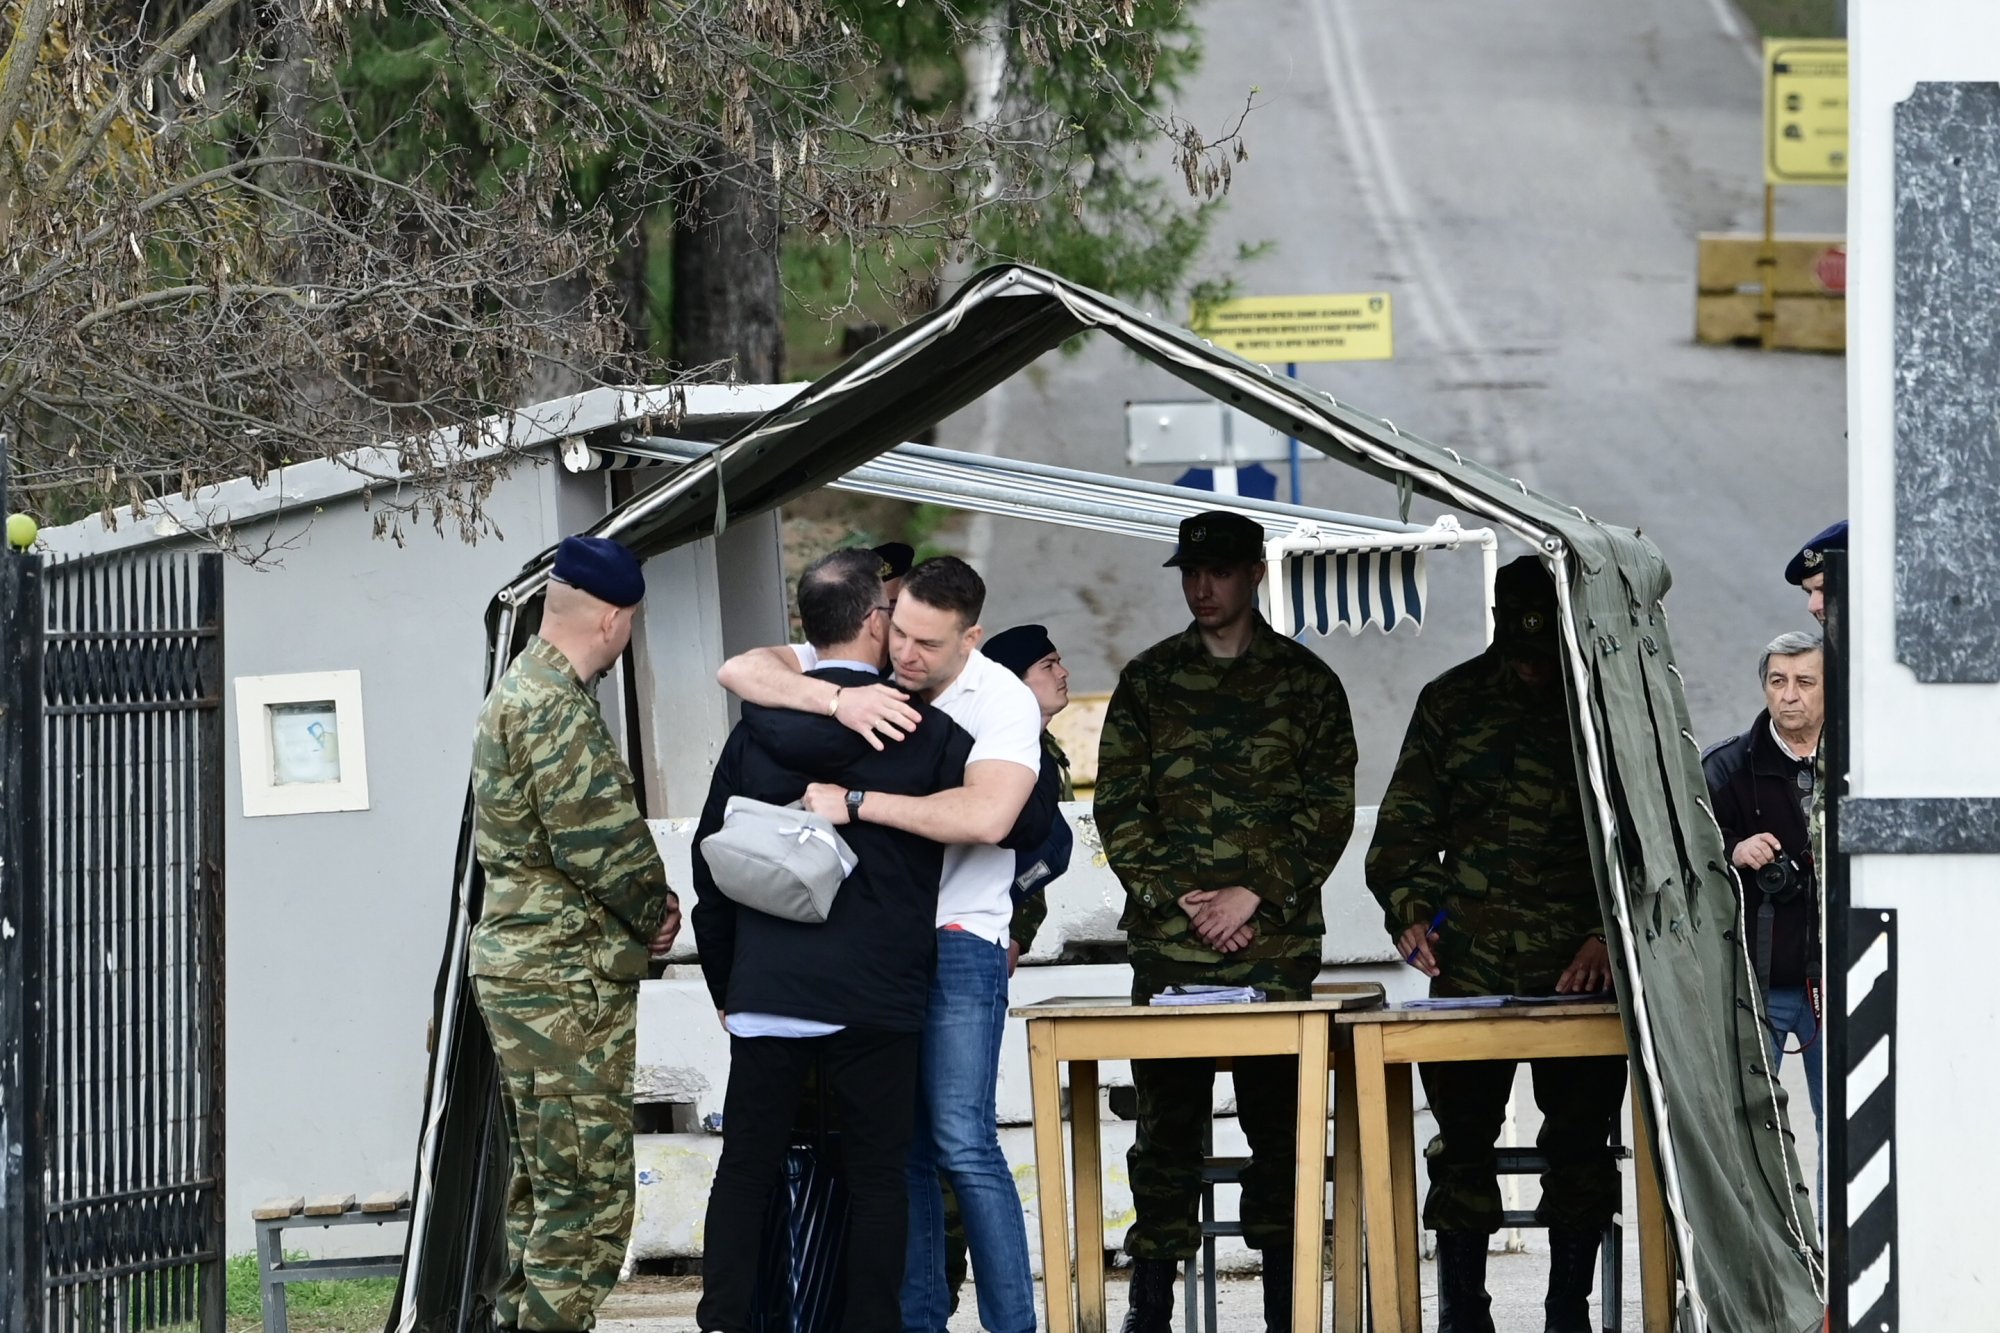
1948 382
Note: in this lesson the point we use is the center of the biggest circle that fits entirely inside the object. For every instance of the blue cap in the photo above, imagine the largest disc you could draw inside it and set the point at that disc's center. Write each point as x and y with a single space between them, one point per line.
1811 558
1019 648
600 567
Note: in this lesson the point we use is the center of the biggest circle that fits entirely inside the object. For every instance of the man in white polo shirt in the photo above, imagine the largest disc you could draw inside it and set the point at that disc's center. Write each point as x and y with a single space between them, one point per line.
933 641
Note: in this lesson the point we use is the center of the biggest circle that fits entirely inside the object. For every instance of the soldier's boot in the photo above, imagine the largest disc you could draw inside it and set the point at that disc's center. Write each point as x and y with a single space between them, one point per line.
1152 1296
1463 1305
1572 1270
1278 1289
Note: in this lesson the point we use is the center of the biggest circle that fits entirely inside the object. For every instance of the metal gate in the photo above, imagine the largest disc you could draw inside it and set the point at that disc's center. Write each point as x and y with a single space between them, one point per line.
111 943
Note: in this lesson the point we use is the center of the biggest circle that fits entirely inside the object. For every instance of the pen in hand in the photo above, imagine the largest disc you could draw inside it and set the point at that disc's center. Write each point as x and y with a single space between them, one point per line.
1437 924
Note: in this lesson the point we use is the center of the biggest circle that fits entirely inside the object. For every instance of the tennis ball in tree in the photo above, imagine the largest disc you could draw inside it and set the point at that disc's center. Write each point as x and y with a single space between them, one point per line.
21 531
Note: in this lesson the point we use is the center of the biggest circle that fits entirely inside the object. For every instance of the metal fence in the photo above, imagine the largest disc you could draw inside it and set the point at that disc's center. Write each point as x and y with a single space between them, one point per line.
112 1002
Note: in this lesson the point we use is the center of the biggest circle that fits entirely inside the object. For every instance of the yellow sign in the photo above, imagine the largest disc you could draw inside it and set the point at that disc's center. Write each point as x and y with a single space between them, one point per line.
1276 329
1805 112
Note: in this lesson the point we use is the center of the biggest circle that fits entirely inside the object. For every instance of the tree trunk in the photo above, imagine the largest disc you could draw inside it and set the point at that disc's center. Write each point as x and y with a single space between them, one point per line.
728 304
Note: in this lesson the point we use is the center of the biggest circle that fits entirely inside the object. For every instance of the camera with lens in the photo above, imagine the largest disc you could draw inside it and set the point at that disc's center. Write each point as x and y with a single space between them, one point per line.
1783 879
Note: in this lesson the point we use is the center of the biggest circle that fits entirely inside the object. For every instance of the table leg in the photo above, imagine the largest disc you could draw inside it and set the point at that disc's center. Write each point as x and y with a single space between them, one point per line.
1346 1199
1309 1202
1403 1171
1044 1081
1378 1187
1656 1254
1086 1145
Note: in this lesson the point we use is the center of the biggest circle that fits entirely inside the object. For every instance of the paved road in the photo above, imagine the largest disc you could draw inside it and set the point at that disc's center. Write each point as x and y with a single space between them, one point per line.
1528 182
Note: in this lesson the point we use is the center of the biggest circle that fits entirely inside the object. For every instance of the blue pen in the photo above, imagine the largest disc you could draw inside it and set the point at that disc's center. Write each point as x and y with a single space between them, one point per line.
1437 923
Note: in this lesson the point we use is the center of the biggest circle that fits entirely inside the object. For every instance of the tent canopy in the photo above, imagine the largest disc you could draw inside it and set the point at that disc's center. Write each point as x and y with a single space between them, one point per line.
1691 1007
1324 570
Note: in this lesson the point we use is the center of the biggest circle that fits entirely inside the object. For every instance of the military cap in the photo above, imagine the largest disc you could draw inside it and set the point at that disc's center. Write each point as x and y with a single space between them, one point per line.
1019 648
1218 537
600 567
1524 607
1811 558
897 557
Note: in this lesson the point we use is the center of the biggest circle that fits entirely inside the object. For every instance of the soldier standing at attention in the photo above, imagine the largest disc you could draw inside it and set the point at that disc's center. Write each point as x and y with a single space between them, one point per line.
576 898
1483 823
1225 794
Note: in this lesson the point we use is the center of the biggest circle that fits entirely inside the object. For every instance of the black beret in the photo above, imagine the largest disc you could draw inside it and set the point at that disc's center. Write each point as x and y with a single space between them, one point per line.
897 557
1811 558
1019 648
1218 537
600 567
1524 606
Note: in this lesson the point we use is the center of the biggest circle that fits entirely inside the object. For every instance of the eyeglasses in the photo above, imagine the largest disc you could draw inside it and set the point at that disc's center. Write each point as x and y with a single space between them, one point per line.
885 607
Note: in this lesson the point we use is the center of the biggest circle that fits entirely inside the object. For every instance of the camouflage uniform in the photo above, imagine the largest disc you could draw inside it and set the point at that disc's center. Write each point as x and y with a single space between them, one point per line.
1214 773
1484 819
575 891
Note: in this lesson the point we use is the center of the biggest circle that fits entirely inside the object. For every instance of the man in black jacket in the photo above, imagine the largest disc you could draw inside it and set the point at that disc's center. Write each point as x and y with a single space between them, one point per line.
1761 783
848 994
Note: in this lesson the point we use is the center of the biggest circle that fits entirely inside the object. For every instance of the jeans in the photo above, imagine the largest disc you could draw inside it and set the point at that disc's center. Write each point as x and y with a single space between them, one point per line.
1790 1015
869 1078
957 1133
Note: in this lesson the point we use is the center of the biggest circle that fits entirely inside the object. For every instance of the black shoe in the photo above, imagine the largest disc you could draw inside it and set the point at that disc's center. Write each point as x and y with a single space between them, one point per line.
1463 1305
1278 1289
1152 1307
1572 1272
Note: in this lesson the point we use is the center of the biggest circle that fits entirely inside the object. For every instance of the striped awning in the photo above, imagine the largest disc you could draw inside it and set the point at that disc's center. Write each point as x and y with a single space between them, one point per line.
1335 589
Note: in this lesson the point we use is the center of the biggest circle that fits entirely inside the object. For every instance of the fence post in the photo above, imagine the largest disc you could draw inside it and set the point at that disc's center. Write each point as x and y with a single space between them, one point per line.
22 1087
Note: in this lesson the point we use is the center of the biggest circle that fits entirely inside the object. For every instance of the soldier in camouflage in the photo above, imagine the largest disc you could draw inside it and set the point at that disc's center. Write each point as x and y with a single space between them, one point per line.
1483 823
1225 794
576 899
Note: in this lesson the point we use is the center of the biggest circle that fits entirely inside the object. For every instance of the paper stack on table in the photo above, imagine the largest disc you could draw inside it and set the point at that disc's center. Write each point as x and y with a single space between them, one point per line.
1209 995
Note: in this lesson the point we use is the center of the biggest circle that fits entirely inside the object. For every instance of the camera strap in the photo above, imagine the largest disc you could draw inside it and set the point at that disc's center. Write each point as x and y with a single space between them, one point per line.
1766 916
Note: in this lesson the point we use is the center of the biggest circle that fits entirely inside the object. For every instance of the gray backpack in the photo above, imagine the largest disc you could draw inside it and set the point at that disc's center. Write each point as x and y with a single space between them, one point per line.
778 860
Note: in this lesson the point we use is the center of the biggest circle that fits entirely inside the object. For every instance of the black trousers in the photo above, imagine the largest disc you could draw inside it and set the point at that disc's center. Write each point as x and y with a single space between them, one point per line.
871 1082
1579 1099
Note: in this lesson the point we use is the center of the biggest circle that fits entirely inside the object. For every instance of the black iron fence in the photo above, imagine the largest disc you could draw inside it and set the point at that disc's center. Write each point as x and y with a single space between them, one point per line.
111 978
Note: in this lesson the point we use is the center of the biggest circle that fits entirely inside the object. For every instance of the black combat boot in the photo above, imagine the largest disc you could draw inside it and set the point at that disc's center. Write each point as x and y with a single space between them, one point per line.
1278 1288
1152 1307
1463 1305
1572 1271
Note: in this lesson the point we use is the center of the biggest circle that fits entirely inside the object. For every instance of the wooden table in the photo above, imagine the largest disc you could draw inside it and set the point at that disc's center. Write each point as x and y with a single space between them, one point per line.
1385 1043
1081 1032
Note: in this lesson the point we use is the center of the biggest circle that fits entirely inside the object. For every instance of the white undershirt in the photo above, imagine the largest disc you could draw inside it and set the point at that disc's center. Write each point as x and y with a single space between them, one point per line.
1000 713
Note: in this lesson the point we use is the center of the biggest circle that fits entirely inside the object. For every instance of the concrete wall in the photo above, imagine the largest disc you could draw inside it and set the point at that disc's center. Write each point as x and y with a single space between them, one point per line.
335 922
1917 740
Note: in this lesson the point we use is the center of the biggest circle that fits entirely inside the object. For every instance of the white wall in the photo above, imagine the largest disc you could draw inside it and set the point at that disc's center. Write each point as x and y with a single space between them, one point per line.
1919 740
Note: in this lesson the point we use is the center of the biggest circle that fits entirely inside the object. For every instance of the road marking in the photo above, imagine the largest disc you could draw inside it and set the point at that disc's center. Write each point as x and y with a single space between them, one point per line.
1736 30
1392 210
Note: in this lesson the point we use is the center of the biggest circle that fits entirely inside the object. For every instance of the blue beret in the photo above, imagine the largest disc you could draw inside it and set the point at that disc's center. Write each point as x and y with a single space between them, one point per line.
1019 648
600 567
1811 558
897 557
1218 537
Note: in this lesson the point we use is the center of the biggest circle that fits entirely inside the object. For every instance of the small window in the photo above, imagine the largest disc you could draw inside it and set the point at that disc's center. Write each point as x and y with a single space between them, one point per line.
300 743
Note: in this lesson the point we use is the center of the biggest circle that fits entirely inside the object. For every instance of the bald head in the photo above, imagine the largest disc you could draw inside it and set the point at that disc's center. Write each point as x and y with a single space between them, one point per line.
590 632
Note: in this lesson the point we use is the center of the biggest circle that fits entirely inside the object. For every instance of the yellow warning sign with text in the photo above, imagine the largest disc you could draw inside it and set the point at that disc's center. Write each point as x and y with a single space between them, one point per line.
1805 112
1276 329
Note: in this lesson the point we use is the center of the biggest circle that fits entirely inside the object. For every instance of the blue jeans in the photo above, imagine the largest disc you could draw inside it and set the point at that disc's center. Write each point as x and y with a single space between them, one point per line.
1790 1016
957 1133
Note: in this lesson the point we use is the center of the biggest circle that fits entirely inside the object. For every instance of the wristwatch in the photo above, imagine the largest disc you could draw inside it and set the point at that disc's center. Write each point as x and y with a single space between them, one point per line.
854 804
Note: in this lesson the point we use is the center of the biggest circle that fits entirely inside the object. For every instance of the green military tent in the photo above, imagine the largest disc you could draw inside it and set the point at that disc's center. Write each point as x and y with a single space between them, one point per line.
1739 1218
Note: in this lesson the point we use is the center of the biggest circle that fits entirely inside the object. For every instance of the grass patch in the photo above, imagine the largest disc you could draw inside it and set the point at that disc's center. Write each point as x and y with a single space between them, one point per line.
1793 18
361 1306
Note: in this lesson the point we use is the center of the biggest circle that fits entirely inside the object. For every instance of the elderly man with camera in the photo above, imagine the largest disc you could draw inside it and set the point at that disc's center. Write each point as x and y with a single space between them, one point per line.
1761 783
